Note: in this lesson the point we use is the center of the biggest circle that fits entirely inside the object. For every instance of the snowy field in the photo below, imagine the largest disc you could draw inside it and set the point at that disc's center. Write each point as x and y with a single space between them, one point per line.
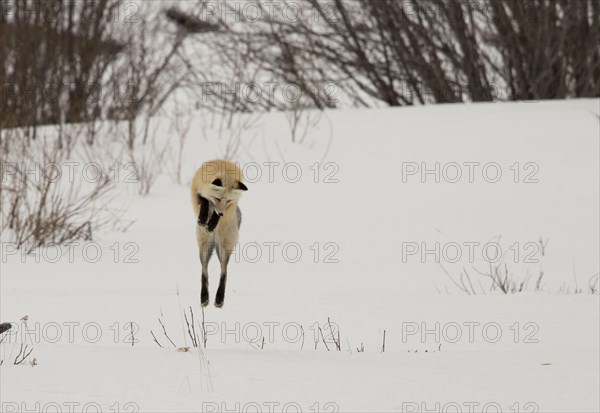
368 222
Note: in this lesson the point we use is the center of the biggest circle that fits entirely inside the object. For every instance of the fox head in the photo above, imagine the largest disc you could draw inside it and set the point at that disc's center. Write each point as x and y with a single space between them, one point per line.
223 184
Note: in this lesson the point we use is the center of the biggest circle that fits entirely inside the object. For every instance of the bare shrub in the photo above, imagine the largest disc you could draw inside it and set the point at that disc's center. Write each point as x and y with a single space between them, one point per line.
504 280
398 52
80 62
39 207
230 129
53 61
499 275
148 161
301 122
181 122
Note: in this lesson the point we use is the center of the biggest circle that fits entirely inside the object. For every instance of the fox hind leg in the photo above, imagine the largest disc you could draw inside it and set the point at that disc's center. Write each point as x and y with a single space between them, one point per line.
206 250
224 253
225 248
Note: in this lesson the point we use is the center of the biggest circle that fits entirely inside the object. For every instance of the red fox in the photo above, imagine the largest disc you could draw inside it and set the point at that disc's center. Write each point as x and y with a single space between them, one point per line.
216 190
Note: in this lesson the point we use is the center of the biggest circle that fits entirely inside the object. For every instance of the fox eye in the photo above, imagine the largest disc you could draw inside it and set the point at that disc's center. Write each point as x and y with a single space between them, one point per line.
217 182
218 199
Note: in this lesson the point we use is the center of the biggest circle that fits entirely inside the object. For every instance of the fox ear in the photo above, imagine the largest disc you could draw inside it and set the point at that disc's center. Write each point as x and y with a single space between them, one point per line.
217 182
241 186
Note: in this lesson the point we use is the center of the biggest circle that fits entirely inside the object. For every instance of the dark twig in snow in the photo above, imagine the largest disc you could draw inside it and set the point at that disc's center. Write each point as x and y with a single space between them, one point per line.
132 336
336 341
155 340
194 327
204 337
23 354
187 323
165 332
323 337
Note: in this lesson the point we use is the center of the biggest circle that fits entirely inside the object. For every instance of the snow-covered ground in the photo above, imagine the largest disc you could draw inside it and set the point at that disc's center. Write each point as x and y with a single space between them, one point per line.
348 225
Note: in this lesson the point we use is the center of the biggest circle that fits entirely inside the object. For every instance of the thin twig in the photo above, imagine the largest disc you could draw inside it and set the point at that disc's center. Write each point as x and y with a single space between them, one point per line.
194 327
453 281
337 344
23 354
132 336
323 337
165 332
194 342
155 340
204 337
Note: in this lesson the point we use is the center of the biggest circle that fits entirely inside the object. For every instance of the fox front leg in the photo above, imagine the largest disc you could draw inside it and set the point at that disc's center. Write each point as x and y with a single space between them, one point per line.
212 223
203 215
203 220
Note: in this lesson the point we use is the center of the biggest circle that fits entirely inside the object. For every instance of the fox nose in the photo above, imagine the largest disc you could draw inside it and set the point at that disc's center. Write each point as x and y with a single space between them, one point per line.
220 214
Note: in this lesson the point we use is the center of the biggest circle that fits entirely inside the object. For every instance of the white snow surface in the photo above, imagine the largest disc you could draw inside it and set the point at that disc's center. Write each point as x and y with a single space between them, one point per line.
526 352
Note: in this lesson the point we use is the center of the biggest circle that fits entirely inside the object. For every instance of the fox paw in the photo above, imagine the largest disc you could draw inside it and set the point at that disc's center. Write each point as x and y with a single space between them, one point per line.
208 226
212 222
220 297
204 298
